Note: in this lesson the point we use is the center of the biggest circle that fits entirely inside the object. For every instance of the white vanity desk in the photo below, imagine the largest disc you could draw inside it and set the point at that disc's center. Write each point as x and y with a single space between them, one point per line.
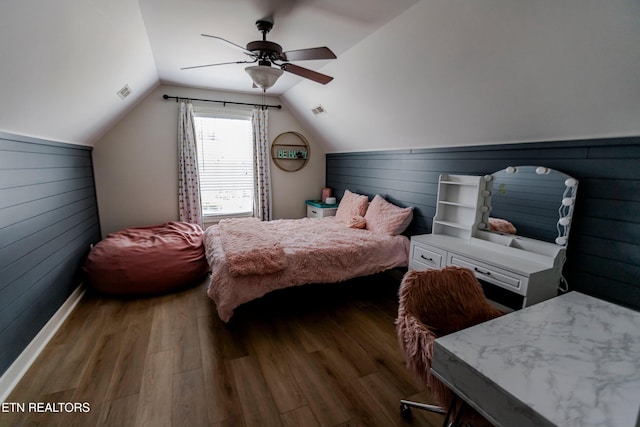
514 271
511 277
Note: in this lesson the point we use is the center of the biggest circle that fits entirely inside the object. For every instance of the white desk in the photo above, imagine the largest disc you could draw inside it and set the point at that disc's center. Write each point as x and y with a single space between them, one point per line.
573 360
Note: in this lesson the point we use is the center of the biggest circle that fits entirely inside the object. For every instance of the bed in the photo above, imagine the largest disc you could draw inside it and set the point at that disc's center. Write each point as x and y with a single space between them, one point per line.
249 258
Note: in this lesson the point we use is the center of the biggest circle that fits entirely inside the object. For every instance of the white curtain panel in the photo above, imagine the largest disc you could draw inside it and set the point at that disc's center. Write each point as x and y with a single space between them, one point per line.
261 165
189 204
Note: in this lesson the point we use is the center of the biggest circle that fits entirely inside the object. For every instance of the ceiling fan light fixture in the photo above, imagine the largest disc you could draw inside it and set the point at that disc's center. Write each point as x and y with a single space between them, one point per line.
264 76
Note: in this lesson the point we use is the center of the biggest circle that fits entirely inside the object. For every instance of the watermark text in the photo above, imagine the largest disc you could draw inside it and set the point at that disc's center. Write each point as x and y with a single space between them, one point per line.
52 407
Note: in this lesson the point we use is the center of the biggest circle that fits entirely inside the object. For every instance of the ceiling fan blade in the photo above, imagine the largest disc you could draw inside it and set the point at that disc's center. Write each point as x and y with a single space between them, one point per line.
306 54
219 63
231 44
307 73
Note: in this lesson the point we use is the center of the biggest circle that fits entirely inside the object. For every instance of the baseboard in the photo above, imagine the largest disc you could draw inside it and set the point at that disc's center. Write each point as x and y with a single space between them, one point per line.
19 367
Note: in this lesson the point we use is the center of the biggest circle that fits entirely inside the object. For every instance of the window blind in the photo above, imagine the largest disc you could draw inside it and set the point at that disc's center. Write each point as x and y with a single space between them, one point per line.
225 165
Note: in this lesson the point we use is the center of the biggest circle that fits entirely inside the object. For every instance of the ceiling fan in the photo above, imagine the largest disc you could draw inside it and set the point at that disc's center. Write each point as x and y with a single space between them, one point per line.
267 53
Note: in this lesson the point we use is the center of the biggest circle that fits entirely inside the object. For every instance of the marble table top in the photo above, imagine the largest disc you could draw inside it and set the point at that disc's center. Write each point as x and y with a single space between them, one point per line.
573 360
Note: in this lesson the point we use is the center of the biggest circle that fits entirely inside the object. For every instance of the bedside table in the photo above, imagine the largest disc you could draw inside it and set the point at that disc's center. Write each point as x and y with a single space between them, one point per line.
317 209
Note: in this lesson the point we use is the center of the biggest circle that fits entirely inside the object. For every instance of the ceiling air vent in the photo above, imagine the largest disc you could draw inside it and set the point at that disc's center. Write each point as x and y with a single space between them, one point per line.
318 110
124 92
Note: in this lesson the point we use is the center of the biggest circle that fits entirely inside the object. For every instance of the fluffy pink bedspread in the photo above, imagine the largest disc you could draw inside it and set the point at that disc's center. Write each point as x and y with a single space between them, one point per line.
317 250
250 248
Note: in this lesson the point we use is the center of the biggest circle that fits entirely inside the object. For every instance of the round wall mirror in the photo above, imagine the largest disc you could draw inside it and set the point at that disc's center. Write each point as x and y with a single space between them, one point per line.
290 151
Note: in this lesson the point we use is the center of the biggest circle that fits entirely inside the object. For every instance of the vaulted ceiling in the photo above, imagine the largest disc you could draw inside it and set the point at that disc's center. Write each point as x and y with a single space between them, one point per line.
409 73
63 62
174 29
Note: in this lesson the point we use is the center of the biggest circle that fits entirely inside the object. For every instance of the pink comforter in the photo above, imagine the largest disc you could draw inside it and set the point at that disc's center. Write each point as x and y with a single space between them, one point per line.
318 250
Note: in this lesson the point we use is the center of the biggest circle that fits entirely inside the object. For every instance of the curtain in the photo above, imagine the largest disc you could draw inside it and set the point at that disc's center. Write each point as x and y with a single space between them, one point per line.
189 204
261 165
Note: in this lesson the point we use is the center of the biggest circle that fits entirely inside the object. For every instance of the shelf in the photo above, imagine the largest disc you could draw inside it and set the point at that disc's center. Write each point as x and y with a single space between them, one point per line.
461 205
295 157
472 184
454 224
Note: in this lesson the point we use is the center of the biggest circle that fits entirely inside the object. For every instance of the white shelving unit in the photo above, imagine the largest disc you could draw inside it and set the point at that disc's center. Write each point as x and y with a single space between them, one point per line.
462 205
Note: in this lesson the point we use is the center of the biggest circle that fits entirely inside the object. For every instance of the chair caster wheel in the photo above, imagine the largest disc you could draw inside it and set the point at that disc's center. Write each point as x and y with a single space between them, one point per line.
405 411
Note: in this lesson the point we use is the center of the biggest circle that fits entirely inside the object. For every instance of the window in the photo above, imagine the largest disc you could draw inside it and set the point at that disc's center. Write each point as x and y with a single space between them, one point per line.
225 164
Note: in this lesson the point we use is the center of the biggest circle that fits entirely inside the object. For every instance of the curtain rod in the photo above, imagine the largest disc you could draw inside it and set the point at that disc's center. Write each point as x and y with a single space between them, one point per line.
224 103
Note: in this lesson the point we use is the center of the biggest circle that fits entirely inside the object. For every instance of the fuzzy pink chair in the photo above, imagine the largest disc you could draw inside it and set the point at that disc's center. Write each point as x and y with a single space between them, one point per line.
434 303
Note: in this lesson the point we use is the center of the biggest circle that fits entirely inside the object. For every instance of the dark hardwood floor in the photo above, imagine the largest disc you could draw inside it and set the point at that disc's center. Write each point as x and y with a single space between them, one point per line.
317 355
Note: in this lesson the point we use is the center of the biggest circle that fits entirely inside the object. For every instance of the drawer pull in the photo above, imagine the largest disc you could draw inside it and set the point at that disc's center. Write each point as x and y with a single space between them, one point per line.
314 212
486 273
424 257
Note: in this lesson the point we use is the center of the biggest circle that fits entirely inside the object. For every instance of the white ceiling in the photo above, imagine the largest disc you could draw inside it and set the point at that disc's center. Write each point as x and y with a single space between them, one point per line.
409 73
482 72
62 62
174 29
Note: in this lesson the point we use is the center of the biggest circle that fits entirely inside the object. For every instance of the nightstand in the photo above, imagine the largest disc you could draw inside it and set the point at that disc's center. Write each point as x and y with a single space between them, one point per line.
317 209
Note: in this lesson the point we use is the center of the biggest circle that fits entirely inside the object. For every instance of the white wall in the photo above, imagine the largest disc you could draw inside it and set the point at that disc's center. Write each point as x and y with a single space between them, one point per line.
460 72
136 163
62 62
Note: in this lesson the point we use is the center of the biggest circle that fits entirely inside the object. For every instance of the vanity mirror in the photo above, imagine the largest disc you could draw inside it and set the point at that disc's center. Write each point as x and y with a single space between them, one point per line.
537 200
515 269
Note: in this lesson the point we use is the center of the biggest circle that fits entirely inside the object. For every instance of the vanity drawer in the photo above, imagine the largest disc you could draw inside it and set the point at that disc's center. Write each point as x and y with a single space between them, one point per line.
491 274
424 257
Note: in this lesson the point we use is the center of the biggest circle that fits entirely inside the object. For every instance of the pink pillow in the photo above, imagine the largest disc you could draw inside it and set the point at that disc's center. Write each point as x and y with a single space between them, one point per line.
502 226
357 221
351 205
386 218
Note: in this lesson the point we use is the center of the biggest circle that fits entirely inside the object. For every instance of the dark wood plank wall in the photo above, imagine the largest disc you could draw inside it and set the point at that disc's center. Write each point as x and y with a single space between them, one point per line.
48 219
604 247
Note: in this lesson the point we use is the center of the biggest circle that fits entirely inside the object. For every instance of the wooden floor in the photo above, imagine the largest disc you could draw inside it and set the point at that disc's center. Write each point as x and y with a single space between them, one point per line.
317 355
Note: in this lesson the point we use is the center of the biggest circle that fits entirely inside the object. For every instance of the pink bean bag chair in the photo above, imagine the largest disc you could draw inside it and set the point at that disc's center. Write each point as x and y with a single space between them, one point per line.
147 260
